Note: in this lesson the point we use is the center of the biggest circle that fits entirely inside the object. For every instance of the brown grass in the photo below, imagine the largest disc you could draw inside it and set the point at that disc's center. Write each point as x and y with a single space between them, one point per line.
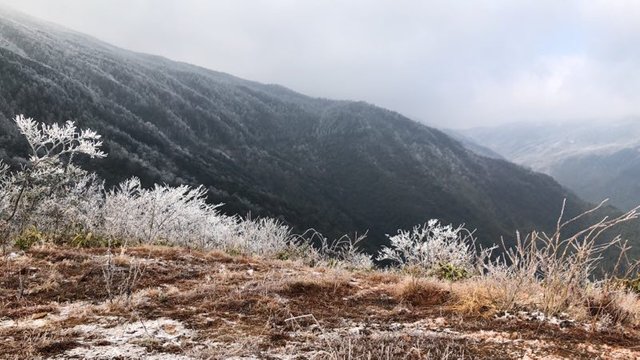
419 292
254 306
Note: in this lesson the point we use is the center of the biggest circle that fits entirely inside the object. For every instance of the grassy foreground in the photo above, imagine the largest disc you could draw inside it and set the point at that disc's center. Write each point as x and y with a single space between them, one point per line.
175 303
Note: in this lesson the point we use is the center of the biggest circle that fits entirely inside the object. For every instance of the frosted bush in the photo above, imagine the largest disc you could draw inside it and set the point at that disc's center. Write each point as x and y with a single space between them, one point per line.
221 231
74 207
178 215
50 192
430 246
61 200
5 187
263 236
181 216
553 271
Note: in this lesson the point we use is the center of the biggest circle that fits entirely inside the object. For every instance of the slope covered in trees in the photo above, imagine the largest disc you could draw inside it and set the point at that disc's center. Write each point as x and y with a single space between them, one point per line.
336 166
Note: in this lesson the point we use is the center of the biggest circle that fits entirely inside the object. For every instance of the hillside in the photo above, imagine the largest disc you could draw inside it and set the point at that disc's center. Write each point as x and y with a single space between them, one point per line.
187 304
336 166
596 160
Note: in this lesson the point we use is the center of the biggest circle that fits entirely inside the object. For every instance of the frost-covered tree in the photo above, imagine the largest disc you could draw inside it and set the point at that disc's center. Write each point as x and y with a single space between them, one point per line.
50 190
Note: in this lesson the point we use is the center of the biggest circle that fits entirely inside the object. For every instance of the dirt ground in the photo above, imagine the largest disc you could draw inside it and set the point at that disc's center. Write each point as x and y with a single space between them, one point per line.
176 303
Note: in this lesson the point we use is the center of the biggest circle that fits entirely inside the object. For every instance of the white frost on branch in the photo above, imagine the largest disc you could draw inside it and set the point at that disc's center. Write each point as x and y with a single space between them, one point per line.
163 214
431 245
50 192
49 142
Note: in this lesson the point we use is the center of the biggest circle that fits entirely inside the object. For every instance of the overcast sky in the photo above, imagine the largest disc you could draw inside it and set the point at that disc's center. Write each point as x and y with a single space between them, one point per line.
447 63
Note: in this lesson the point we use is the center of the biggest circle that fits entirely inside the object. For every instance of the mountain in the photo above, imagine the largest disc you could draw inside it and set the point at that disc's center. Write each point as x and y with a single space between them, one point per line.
472 145
595 159
337 166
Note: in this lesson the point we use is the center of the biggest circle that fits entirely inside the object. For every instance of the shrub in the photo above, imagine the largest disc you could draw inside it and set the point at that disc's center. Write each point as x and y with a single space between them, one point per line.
265 236
29 237
178 215
430 247
451 272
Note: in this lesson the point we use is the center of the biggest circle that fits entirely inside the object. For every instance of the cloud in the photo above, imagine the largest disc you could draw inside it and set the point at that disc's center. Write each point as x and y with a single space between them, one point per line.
447 63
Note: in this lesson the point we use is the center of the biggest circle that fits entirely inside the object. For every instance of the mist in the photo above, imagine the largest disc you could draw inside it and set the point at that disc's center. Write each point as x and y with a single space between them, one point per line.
448 64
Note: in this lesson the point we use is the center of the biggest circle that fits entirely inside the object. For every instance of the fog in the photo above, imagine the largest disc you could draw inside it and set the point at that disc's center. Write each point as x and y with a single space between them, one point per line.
446 63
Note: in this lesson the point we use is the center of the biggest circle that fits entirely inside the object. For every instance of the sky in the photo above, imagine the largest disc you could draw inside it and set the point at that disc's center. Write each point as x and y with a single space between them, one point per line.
453 64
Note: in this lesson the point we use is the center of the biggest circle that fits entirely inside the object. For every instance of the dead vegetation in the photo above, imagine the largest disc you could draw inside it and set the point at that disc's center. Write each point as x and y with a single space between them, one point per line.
170 302
273 293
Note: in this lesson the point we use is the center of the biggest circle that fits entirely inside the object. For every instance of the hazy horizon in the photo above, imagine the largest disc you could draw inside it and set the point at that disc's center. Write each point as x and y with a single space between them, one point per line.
446 64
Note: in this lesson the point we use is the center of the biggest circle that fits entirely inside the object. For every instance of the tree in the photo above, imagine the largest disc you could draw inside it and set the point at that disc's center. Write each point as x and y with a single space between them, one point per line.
49 183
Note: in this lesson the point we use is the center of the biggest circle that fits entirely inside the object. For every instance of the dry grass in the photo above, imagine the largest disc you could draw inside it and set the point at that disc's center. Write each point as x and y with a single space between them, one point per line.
238 305
420 292
391 347
552 273
473 298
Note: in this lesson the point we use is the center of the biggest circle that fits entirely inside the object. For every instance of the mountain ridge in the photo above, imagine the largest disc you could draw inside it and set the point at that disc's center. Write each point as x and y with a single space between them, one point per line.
595 159
337 166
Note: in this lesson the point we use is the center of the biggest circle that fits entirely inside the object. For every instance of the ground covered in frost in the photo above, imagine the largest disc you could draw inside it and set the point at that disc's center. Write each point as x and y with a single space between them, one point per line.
175 303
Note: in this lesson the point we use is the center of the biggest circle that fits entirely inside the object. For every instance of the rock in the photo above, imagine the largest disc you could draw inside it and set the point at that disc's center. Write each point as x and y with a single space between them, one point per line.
402 310
315 328
169 328
566 323
39 315
440 322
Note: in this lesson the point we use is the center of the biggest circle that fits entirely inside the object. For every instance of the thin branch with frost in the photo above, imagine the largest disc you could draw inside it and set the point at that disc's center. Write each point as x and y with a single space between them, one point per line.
49 142
344 252
45 178
560 265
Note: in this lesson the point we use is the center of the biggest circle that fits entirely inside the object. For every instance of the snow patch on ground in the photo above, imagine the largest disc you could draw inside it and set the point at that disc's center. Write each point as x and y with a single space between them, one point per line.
104 340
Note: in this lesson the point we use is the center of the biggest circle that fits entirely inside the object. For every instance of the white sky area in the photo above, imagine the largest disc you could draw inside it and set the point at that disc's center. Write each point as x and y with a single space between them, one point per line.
447 63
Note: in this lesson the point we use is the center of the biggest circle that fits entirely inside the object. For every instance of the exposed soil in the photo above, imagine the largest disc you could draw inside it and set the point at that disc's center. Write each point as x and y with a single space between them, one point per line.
175 303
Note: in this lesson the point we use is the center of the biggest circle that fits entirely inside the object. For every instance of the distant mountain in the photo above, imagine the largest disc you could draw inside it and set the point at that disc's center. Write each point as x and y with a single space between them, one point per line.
597 160
472 145
337 166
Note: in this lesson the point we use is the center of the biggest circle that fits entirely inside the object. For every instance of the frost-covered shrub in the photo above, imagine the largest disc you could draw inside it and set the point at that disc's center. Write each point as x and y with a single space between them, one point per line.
263 236
430 247
181 216
50 192
52 198
175 215
74 206
5 188
50 143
